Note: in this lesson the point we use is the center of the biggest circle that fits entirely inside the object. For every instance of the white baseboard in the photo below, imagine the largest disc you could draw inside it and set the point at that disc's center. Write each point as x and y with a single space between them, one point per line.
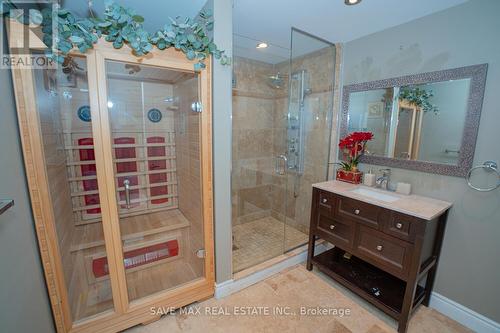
229 287
463 315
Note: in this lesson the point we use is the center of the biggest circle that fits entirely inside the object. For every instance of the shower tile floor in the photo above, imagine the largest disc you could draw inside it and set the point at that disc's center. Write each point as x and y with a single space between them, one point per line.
263 239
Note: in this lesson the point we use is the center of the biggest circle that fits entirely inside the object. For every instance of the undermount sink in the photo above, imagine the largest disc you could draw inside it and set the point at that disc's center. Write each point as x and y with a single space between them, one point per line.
378 195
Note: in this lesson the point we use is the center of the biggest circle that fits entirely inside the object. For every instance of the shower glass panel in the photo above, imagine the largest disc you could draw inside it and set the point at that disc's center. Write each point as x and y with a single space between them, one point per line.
309 120
155 133
282 112
257 88
68 148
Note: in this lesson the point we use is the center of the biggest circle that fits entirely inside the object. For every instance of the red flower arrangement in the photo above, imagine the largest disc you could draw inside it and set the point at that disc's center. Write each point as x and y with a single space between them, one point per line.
354 146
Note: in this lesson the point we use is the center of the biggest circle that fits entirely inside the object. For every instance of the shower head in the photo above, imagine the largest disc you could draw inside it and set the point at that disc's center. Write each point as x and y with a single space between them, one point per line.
276 81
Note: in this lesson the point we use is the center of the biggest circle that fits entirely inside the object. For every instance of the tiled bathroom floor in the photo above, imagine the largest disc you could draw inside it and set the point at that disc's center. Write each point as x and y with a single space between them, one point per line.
301 293
257 241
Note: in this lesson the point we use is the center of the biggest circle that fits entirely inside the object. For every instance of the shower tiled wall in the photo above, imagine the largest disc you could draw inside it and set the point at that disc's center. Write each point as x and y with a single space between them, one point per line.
252 152
297 193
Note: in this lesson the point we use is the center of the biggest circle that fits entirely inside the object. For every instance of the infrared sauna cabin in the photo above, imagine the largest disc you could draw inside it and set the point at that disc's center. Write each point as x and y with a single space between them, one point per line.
118 159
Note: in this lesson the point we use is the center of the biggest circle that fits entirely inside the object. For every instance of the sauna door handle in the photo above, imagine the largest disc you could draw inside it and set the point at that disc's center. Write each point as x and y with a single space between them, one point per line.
126 184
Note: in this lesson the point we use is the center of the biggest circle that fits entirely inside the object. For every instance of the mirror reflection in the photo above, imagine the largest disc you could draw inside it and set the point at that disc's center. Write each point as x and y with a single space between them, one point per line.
422 122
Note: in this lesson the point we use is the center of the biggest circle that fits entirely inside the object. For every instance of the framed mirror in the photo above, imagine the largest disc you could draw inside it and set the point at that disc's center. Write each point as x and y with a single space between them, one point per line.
426 122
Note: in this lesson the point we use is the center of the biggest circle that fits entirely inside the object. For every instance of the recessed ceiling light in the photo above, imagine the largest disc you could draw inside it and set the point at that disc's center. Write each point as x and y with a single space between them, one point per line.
262 45
352 2
110 104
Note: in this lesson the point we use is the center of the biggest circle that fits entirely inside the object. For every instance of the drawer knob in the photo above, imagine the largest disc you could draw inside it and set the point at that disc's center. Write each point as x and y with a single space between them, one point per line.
379 247
332 227
324 200
399 225
356 211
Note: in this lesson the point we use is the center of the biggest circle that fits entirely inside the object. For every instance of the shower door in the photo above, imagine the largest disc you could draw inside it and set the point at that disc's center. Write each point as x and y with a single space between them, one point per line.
281 122
309 119
157 146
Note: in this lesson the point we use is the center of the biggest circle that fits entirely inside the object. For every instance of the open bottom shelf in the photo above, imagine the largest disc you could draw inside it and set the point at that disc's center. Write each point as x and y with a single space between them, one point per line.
376 286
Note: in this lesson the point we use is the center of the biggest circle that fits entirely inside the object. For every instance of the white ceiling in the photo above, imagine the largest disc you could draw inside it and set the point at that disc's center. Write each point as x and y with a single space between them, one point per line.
271 20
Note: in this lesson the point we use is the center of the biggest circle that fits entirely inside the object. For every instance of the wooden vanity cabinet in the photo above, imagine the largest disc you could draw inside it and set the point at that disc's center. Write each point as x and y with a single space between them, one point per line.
387 257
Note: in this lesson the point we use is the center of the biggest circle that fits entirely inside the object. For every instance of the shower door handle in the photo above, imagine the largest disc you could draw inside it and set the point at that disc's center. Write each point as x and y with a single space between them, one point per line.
277 167
126 184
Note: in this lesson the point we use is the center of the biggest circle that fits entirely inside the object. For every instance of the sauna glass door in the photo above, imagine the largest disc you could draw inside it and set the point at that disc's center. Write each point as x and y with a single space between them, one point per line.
68 128
154 123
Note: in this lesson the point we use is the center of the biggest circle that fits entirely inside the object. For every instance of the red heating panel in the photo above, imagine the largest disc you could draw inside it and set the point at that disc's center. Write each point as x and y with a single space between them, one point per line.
126 167
139 257
157 165
89 170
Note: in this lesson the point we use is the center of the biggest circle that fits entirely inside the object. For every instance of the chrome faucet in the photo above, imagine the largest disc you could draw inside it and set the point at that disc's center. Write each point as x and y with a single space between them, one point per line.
383 181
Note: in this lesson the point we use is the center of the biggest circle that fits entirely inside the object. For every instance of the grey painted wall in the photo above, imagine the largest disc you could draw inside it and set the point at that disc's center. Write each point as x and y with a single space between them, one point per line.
469 269
222 109
24 304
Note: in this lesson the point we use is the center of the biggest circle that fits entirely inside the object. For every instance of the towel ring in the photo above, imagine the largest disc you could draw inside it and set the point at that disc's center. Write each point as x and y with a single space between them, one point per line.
488 166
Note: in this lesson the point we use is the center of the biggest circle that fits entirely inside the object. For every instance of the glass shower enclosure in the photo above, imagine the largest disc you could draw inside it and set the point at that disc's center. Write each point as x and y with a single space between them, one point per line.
282 115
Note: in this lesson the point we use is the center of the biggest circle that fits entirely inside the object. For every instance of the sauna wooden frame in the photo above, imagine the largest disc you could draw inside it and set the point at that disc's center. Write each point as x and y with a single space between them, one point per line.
125 313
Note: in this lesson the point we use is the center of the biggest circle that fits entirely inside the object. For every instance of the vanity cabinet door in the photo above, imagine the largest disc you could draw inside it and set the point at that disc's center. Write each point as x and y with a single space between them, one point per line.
326 201
391 254
401 226
367 214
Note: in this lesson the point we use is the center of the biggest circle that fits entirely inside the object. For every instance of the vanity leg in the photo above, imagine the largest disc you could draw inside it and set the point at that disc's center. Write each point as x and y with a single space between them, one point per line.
407 307
436 251
310 251
411 283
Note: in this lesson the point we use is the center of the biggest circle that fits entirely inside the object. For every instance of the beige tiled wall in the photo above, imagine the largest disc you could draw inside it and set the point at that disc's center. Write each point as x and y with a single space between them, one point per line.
252 152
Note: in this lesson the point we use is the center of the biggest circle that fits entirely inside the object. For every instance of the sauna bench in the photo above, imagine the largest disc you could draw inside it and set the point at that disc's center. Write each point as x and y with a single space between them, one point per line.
386 252
132 228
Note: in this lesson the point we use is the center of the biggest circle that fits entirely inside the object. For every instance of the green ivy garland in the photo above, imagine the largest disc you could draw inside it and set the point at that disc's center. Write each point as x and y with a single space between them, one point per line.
121 25
418 97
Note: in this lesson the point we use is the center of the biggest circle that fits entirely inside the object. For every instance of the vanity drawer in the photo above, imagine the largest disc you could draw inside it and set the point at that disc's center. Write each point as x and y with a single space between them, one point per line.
401 226
326 202
391 254
338 233
358 211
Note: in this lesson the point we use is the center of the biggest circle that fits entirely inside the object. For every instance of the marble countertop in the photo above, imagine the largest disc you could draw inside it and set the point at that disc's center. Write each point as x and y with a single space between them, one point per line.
415 205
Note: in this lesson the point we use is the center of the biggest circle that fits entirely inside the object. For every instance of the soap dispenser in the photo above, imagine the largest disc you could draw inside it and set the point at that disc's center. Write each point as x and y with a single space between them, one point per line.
369 178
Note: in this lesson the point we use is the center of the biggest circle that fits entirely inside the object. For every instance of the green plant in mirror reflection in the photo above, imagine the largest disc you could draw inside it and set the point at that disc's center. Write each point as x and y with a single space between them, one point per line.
418 97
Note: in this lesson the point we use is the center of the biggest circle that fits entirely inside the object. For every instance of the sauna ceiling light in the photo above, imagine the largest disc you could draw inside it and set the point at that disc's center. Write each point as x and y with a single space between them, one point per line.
110 104
352 2
262 45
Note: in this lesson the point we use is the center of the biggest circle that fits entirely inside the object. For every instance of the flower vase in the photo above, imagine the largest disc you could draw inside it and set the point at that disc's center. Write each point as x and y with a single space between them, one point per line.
353 177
